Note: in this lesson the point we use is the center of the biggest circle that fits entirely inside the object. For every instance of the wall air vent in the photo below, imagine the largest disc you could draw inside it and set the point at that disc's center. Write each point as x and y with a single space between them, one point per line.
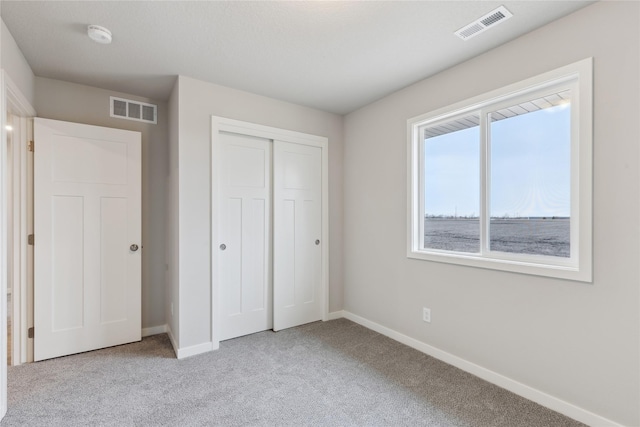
489 20
133 110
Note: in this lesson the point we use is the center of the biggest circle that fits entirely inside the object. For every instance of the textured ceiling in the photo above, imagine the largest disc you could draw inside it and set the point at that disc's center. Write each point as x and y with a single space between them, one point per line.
336 56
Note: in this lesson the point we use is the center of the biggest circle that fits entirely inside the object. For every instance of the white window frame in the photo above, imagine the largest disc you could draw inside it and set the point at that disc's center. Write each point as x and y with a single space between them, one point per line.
578 266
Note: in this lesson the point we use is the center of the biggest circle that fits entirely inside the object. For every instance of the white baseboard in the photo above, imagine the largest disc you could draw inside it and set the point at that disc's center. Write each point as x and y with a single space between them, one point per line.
514 386
154 330
193 350
334 315
174 344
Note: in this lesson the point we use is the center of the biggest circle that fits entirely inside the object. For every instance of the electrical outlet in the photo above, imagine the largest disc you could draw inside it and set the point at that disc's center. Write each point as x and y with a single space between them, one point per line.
426 314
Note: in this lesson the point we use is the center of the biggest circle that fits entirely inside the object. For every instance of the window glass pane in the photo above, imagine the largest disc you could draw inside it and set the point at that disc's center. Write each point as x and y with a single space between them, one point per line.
452 185
531 177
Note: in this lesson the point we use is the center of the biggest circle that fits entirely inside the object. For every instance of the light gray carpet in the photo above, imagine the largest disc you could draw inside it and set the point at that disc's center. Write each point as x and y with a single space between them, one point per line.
334 373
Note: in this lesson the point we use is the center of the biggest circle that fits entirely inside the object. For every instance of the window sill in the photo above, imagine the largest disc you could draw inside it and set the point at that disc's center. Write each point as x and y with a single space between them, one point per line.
533 265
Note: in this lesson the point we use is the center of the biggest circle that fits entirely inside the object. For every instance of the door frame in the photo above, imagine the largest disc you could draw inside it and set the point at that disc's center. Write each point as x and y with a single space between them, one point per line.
11 99
222 124
21 207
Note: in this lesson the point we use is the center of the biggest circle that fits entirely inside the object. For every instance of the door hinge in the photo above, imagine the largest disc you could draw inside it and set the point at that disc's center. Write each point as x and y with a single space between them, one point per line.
30 146
30 239
30 332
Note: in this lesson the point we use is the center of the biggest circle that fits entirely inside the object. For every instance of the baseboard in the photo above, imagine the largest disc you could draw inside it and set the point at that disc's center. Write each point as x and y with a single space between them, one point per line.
540 397
174 344
193 350
334 315
154 330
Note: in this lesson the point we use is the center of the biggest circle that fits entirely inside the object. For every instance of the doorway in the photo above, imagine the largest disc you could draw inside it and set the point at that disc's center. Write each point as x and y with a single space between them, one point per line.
18 133
16 115
269 228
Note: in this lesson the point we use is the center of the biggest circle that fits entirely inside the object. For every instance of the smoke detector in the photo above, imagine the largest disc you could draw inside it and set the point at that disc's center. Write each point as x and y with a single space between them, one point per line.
482 24
99 34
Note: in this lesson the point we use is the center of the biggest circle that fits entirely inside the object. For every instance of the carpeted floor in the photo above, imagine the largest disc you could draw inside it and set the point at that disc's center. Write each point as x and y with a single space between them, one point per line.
330 374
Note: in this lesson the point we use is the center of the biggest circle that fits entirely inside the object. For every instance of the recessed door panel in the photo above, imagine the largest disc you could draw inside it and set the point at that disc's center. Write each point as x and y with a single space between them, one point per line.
255 271
300 171
248 166
308 265
104 162
287 250
113 259
67 253
232 270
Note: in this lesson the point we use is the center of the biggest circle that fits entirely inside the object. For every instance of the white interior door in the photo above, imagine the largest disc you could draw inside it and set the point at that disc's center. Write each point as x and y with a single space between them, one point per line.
297 196
87 225
244 179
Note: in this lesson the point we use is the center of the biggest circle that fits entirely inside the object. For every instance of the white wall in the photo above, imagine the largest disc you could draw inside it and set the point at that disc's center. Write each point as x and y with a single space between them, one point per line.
72 102
13 62
171 250
575 341
198 101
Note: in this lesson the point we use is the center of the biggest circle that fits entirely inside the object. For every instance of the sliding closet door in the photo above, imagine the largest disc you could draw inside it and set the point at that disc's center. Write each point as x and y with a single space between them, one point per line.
244 228
269 228
297 196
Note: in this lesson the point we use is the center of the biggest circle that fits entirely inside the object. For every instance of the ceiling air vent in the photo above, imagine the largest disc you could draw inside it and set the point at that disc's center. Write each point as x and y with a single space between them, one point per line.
133 110
489 20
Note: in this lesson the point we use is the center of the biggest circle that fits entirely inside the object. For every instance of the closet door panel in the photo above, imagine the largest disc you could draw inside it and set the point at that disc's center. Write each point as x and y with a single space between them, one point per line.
297 195
244 179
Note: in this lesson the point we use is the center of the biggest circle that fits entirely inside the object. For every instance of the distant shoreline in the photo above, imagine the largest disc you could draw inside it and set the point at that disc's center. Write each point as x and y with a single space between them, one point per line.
494 218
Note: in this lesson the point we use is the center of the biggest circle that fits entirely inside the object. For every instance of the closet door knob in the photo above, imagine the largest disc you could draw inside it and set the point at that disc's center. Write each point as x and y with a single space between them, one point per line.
317 242
223 247
133 247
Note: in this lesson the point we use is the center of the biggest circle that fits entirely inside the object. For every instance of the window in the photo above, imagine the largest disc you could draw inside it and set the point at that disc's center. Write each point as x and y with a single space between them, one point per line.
503 180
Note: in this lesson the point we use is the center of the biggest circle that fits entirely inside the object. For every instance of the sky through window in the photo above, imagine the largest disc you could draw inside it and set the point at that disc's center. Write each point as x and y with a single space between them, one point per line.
530 167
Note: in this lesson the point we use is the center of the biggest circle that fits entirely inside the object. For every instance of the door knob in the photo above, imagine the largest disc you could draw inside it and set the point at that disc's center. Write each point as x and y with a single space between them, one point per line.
133 247
317 242
223 247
